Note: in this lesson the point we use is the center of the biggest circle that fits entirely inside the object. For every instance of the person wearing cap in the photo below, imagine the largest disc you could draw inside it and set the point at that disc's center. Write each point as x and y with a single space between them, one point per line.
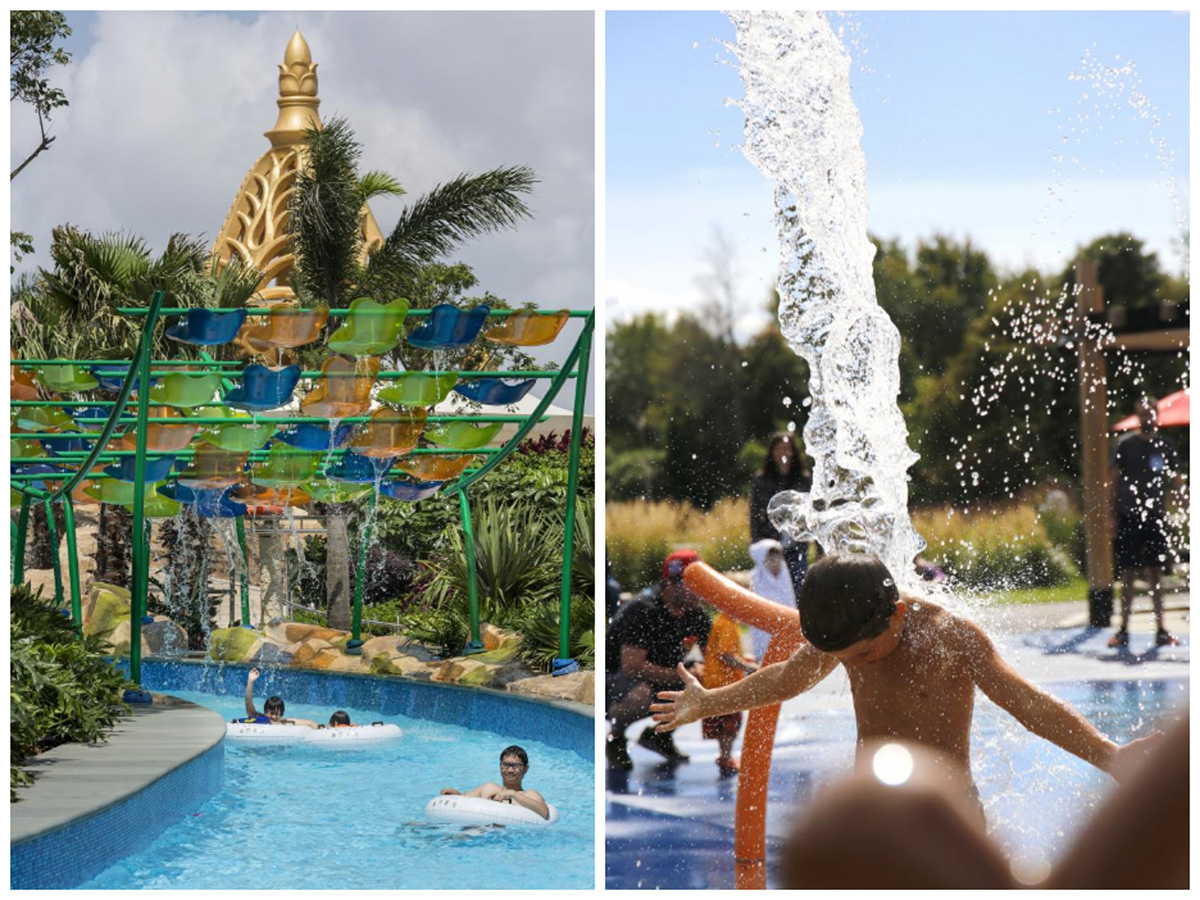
646 641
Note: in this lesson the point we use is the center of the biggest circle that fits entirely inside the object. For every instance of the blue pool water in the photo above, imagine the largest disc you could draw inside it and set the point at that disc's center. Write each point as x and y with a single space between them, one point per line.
303 817
672 827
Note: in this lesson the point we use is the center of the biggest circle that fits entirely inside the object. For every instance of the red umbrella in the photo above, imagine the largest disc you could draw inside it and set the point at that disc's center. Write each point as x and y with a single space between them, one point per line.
1173 410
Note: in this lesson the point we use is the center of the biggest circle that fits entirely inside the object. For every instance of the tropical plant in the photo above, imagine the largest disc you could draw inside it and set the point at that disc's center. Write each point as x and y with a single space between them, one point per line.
69 311
61 688
539 627
325 222
515 562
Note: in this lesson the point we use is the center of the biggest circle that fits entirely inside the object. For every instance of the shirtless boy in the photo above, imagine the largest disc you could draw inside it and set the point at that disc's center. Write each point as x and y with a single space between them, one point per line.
913 668
514 763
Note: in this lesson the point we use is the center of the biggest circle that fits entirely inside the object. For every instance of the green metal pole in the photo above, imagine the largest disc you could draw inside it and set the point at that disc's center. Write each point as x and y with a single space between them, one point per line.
354 645
475 644
48 506
18 551
244 574
564 663
73 564
141 556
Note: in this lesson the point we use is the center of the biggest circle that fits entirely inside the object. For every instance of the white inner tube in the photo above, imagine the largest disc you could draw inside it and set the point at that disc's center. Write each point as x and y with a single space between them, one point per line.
256 733
456 809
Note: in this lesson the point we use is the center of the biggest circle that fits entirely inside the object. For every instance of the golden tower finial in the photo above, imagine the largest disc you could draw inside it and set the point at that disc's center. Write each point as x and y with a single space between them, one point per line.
298 100
256 229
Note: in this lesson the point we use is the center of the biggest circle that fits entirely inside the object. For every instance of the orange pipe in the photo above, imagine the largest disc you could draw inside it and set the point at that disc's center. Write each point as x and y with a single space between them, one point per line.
783 624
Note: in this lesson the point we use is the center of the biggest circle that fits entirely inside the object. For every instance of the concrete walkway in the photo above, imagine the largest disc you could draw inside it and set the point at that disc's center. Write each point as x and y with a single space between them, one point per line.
78 780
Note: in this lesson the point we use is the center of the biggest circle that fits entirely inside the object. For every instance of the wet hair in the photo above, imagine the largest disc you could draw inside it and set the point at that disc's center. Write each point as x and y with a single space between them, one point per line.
795 466
516 751
341 717
273 705
846 598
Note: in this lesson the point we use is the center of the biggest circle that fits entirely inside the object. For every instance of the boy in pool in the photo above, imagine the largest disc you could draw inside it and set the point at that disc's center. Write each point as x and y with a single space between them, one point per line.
340 719
514 763
913 668
272 709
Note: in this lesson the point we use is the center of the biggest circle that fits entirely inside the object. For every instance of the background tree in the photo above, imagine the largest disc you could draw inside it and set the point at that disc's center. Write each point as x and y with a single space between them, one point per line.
33 37
325 225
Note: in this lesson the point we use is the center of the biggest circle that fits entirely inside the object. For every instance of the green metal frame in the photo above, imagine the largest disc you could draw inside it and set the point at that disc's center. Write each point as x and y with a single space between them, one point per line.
143 367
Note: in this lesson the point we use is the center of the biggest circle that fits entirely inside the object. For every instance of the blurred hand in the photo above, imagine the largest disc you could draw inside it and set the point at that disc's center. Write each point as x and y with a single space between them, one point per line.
1132 756
254 673
679 707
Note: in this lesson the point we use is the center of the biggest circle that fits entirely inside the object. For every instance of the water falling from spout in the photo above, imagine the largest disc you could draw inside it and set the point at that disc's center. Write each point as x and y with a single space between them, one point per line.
803 131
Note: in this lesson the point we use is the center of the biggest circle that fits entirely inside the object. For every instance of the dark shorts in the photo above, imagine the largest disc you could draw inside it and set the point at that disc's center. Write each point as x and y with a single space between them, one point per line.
721 726
1141 542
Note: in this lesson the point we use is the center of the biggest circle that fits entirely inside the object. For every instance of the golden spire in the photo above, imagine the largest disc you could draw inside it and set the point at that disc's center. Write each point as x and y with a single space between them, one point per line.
256 229
298 100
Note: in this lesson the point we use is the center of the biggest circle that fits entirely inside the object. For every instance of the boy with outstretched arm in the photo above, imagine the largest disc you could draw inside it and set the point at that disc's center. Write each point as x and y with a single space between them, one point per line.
272 709
913 669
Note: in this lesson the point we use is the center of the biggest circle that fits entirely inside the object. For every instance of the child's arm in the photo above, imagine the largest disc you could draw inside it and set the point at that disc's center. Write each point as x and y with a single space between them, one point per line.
766 687
1040 712
250 679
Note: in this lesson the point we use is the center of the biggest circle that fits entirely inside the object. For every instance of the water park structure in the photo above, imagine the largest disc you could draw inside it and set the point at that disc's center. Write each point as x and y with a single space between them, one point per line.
221 413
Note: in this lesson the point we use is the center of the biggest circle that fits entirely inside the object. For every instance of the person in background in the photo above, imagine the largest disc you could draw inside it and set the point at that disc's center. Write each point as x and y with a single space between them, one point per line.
1143 464
772 581
782 470
647 640
723 664
272 713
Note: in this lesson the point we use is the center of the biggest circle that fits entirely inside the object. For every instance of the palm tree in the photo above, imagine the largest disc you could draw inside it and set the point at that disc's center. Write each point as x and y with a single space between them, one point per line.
326 226
69 312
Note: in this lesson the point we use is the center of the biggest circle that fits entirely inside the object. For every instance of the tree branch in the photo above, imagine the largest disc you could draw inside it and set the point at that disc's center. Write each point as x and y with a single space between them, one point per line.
44 145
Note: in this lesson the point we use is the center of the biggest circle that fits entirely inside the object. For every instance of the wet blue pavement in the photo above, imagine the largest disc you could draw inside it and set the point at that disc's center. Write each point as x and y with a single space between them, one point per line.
672 826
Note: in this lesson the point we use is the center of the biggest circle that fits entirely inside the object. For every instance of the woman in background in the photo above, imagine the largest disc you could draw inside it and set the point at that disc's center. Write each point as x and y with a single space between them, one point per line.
782 471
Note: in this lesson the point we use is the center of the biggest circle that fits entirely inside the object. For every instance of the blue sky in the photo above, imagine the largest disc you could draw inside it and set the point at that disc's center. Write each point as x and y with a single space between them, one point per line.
963 116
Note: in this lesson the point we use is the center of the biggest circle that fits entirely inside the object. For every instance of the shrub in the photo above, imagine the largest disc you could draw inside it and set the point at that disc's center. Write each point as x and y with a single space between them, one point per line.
62 689
1001 546
639 535
539 628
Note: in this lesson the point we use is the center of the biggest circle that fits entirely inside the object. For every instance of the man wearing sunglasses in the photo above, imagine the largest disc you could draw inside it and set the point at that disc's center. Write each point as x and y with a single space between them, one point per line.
514 763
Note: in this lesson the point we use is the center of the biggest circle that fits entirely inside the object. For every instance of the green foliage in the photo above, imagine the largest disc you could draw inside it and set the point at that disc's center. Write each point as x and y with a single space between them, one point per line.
325 215
539 627
996 547
514 558
977 385
446 629
33 35
61 688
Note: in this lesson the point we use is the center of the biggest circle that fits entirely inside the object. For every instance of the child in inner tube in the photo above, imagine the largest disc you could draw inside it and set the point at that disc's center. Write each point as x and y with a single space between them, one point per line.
272 713
514 763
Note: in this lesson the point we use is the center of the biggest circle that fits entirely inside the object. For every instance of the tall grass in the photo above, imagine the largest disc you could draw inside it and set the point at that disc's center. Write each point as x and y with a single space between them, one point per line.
997 546
638 535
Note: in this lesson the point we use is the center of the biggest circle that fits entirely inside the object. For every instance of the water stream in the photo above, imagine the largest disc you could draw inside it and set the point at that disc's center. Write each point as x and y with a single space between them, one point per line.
797 95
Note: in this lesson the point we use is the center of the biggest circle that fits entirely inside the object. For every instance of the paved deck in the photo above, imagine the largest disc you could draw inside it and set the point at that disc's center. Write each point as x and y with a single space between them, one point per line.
77 780
670 826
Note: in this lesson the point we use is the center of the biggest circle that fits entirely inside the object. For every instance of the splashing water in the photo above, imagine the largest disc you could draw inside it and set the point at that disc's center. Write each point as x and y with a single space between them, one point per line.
803 131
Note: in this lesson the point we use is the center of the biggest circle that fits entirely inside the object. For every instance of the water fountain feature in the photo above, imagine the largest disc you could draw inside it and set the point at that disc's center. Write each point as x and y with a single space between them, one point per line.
797 94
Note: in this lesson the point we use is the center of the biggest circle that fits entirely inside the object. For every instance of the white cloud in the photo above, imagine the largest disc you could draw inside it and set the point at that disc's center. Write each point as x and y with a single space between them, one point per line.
167 113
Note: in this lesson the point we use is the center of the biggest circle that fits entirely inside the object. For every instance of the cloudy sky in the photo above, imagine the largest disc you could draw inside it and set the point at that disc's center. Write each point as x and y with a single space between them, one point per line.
973 126
167 113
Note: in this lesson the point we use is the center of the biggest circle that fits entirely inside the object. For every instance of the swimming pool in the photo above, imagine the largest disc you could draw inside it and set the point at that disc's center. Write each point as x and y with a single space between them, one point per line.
304 817
672 827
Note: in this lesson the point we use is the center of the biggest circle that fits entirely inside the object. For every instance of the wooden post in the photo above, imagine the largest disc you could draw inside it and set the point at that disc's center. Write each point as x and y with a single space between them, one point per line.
1093 420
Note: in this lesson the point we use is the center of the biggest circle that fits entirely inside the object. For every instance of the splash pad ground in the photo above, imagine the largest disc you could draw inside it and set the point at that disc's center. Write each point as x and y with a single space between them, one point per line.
671 827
